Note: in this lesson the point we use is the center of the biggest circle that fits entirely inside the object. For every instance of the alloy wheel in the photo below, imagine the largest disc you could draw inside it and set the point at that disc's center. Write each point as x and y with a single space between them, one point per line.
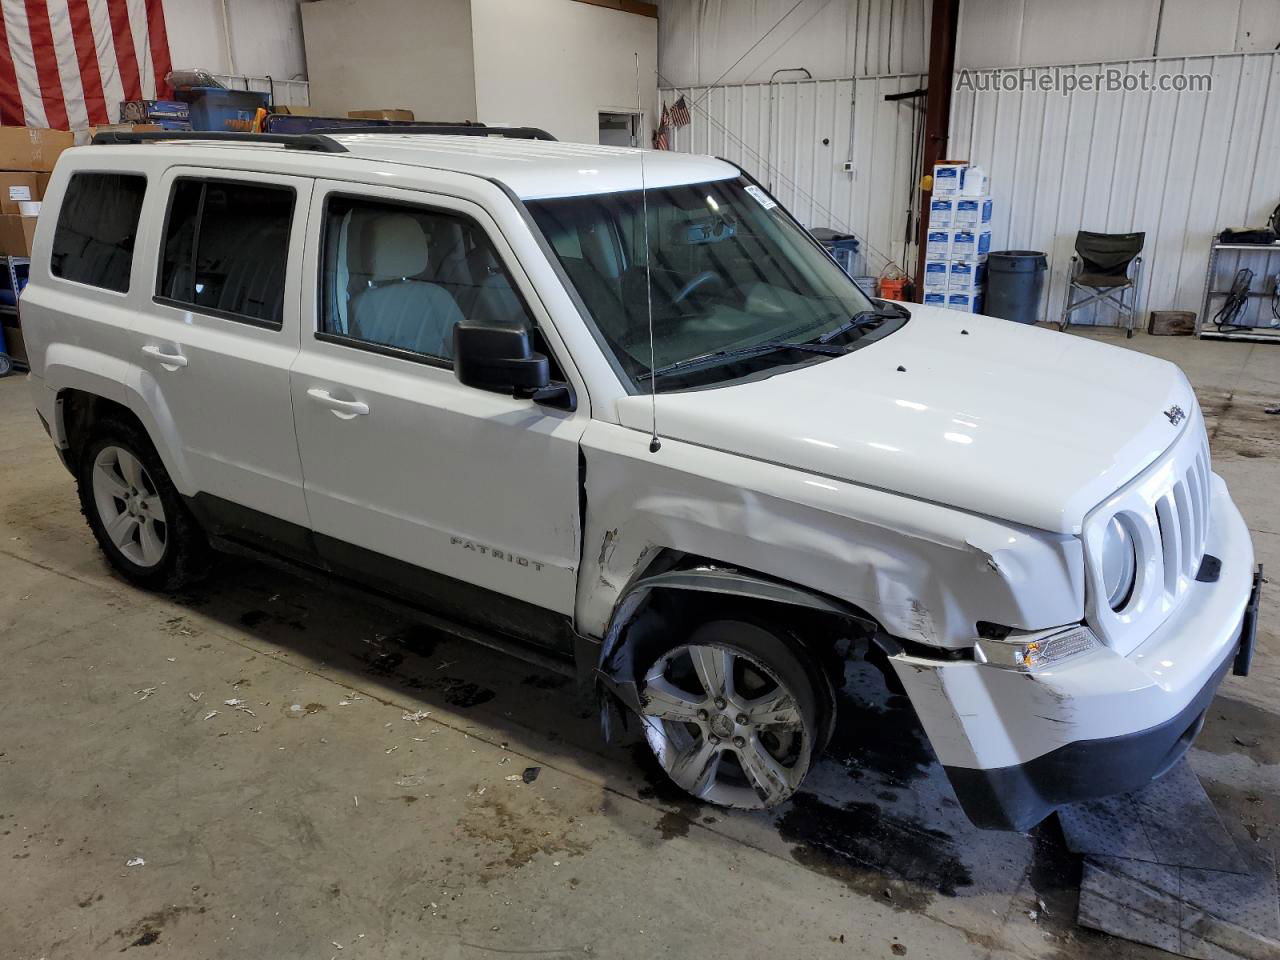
129 506
724 727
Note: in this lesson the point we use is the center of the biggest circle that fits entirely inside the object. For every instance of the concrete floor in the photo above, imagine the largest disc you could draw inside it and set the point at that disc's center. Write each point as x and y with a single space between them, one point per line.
319 821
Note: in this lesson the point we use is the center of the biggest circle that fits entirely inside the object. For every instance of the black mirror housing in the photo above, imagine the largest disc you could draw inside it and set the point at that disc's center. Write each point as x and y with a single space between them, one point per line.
498 357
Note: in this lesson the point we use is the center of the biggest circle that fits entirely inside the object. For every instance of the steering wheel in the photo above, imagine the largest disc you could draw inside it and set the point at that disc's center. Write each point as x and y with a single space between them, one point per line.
705 277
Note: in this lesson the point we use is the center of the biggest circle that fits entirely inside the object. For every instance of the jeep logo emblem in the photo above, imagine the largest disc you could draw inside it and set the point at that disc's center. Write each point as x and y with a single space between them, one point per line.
1175 415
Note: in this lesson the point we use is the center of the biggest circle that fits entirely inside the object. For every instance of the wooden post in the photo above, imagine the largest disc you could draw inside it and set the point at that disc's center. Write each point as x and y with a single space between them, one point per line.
937 115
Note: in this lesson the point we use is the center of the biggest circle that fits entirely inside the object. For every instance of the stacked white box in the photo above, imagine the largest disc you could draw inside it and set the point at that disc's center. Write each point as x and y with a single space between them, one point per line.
970 212
938 244
958 239
948 179
937 275
965 302
941 213
965 276
967 244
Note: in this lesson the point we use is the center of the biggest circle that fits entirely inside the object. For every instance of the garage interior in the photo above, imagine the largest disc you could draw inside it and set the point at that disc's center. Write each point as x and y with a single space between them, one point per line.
270 763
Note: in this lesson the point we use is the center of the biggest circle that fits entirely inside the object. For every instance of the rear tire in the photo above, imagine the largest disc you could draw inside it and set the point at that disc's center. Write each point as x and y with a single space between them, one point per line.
731 713
136 514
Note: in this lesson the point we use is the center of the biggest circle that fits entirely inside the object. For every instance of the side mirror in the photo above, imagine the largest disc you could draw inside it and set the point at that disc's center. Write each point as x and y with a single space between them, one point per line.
498 357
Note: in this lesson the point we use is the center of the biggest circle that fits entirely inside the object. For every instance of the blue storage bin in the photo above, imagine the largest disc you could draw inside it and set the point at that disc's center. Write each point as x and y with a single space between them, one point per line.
226 111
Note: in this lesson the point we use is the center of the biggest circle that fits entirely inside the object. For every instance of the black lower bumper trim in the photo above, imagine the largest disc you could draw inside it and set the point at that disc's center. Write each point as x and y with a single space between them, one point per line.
1249 627
1019 797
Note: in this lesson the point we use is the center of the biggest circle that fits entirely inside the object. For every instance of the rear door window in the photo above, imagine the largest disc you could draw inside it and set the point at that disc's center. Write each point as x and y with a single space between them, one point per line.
97 227
226 248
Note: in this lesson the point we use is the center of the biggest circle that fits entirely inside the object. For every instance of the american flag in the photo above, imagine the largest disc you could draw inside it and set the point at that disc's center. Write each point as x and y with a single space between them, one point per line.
67 64
661 136
679 114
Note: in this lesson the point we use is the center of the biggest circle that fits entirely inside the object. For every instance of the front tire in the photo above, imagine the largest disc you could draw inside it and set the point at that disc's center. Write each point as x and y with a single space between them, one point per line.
135 512
731 714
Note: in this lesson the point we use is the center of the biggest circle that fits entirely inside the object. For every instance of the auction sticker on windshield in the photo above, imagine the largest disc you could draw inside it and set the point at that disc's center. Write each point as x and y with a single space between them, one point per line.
761 197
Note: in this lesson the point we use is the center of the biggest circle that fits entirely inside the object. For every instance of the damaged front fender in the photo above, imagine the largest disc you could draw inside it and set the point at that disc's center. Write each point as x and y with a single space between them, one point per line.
925 572
615 669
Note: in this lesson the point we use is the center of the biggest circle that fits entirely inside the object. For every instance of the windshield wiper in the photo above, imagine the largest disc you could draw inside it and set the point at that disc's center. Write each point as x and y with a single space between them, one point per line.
755 350
865 318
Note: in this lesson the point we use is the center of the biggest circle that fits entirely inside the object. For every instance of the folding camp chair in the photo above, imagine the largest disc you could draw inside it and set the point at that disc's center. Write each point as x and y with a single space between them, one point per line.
1100 271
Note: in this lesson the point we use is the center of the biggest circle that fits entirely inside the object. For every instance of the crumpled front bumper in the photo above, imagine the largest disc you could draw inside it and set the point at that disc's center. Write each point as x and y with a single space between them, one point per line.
1017 745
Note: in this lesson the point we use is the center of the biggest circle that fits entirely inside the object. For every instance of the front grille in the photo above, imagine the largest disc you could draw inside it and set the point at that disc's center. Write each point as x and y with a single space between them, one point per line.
1182 514
1167 508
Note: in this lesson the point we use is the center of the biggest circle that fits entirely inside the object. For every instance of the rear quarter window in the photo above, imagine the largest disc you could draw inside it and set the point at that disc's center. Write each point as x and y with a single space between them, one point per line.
226 249
97 228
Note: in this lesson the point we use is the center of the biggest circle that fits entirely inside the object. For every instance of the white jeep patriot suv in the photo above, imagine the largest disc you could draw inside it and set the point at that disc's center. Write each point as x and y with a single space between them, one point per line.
433 364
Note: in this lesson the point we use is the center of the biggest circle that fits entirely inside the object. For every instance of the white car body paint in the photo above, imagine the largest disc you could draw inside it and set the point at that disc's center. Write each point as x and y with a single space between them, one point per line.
970 485
923 570
984 717
991 417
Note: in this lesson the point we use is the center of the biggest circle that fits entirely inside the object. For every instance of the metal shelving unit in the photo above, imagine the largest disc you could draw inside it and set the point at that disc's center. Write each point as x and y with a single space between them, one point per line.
1204 324
9 279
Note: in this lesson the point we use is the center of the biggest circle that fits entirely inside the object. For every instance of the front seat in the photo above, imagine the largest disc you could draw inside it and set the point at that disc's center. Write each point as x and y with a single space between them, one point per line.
389 250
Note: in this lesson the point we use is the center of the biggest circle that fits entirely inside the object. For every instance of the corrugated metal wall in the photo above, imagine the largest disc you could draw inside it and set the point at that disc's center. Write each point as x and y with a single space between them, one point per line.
817 126
744 41
292 93
1180 166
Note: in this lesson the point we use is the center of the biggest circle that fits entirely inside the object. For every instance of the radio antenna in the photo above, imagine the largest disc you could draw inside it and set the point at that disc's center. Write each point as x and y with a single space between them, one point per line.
654 443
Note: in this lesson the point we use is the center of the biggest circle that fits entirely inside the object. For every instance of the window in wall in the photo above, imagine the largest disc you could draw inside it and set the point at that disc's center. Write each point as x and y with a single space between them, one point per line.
97 227
226 248
404 276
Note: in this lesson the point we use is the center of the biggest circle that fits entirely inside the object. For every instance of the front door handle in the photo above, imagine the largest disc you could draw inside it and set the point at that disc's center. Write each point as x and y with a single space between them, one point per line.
170 361
344 409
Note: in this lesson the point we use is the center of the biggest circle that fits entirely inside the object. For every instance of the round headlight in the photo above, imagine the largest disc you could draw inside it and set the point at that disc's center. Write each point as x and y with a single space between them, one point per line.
1119 563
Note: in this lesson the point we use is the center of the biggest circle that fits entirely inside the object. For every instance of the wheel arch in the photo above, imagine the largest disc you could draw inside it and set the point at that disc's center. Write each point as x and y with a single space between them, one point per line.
81 401
824 627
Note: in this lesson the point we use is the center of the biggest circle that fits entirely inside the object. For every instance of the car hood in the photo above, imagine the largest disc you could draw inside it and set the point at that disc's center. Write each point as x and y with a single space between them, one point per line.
1010 421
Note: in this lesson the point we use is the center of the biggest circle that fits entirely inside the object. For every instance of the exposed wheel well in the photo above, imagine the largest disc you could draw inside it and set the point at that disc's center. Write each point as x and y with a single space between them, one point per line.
828 636
79 410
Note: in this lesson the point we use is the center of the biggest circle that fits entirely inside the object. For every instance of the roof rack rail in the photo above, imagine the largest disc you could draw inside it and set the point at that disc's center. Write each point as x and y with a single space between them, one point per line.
446 129
290 141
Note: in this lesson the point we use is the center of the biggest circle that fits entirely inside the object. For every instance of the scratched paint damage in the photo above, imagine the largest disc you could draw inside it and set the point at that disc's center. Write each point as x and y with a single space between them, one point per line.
926 573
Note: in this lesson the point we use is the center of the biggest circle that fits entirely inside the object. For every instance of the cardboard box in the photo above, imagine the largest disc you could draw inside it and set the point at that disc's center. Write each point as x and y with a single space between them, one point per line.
941 212
294 110
16 188
32 148
936 275
380 114
972 211
16 235
948 178
970 244
938 244
965 302
966 276
936 299
42 183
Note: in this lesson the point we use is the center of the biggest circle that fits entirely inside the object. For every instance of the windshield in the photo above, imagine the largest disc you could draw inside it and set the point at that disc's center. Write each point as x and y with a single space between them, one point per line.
732 272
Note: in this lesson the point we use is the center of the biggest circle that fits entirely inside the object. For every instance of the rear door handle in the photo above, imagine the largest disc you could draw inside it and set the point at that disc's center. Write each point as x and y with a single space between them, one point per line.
345 409
171 361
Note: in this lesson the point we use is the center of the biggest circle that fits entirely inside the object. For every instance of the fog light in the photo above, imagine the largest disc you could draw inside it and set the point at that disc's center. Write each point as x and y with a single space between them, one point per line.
1029 651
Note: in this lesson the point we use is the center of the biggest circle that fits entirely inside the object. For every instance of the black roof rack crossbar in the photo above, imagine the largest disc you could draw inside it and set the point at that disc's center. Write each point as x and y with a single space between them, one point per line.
447 129
290 141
